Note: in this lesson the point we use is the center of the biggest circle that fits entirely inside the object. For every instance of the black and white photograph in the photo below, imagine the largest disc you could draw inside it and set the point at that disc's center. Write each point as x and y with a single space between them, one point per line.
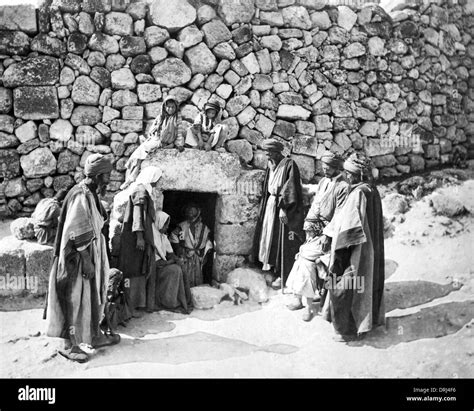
237 190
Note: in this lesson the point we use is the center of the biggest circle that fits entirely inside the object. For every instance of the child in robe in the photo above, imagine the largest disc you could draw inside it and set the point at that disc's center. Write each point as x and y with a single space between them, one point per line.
207 132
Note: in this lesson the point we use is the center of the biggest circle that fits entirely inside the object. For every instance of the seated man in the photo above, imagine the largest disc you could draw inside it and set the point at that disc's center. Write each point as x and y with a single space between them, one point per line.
191 241
207 133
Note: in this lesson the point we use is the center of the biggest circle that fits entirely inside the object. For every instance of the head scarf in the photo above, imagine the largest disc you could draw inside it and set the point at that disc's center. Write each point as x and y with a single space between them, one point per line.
272 144
332 159
160 122
148 176
164 113
162 244
97 164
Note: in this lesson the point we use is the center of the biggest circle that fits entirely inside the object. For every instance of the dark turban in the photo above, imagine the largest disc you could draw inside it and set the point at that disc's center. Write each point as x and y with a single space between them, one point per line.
332 159
271 144
97 164
212 105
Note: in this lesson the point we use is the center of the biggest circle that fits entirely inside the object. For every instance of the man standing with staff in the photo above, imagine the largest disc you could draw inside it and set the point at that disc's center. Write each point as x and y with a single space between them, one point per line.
279 231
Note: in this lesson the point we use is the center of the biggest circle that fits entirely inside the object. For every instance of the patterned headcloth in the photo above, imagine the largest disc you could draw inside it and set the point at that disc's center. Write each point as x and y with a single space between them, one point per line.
357 164
332 159
97 164
214 105
271 144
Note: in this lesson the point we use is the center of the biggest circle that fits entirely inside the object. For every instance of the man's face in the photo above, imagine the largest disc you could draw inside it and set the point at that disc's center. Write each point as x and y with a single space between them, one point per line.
211 113
102 181
351 178
164 229
191 214
310 234
273 156
170 107
328 171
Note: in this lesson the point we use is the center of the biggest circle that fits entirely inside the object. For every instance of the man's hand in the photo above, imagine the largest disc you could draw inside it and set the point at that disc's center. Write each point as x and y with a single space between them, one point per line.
140 241
207 147
283 217
88 268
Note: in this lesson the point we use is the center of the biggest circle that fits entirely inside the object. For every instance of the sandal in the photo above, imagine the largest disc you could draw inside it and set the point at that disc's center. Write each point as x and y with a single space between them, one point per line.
308 315
344 337
276 285
75 354
105 340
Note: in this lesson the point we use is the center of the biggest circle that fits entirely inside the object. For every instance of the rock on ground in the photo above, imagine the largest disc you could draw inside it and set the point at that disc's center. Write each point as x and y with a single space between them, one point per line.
205 297
447 206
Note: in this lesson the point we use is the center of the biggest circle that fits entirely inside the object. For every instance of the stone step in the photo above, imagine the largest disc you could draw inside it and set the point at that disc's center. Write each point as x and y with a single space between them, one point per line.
24 267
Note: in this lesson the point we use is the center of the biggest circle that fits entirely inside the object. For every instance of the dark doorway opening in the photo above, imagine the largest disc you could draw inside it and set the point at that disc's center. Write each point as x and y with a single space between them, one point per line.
174 203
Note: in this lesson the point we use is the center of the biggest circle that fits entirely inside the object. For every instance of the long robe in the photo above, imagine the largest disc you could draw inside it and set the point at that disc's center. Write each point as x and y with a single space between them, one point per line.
283 241
75 304
172 290
355 303
329 196
193 243
138 266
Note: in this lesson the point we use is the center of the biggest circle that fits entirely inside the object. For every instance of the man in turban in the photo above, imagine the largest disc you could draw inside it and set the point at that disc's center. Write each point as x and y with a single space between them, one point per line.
356 268
329 196
279 231
79 275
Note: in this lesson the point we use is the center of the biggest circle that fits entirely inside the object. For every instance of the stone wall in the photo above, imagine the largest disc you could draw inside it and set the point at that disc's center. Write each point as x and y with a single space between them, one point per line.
89 76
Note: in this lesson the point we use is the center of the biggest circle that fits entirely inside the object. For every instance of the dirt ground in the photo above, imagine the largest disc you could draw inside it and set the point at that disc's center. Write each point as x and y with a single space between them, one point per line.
429 294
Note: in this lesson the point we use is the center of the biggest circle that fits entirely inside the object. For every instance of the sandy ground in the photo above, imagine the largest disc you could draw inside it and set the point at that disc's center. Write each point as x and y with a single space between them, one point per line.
429 331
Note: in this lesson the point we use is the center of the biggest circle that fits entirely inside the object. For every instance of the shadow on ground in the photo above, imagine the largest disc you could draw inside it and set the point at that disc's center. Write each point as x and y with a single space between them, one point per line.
430 322
405 294
199 346
163 321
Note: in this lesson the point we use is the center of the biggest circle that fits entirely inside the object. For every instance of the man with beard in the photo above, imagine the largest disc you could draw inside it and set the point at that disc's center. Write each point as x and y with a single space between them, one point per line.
279 231
79 276
330 194
356 282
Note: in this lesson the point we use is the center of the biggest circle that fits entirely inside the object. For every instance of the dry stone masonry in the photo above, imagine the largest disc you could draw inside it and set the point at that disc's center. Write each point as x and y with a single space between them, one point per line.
79 77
